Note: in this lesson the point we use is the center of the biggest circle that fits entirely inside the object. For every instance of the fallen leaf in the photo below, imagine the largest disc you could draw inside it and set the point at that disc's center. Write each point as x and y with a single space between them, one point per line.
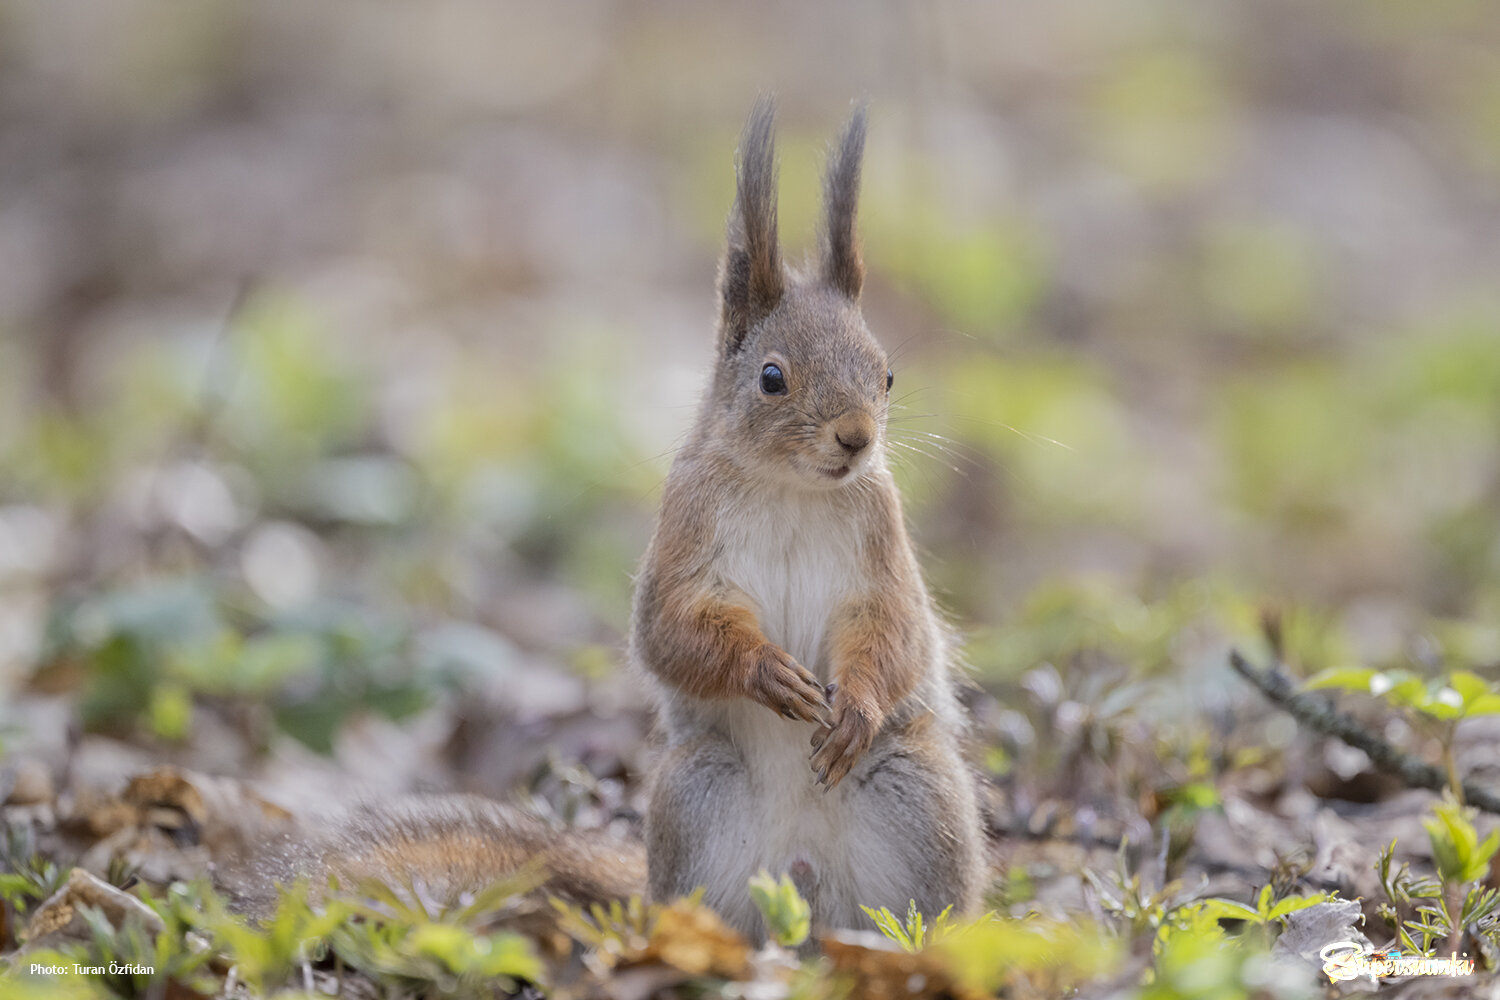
878 970
58 920
691 937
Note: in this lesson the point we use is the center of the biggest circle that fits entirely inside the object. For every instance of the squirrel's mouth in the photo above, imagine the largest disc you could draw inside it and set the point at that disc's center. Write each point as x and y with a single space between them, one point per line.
838 472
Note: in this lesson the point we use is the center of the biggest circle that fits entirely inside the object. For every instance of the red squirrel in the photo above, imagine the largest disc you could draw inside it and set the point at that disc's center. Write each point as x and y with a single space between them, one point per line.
804 676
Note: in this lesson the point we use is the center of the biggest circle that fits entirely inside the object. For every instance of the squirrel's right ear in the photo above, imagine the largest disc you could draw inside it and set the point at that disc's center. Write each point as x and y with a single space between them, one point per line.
843 268
751 280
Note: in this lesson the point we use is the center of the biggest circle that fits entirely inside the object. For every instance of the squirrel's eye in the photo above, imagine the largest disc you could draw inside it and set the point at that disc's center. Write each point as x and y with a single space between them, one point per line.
772 382
890 378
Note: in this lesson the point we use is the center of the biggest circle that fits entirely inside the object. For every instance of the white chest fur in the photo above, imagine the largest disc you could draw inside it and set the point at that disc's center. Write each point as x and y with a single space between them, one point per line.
796 558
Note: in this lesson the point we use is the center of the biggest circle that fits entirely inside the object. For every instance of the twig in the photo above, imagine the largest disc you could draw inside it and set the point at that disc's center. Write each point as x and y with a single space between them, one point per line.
1319 716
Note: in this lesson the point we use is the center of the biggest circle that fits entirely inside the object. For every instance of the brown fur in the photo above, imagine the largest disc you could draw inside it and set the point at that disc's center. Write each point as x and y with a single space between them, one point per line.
892 719
843 267
703 641
449 845
751 281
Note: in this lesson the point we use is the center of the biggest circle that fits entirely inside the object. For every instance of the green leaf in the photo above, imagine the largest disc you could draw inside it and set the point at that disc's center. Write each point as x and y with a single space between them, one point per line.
1344 678
451 945
787 914
1477 696
1468 684
1442 703
1193 797
1292 904
1400 687
465 953
269 660
891 927
314 723
18 891
171 712
1228 909
1485 704
1456 847
987 954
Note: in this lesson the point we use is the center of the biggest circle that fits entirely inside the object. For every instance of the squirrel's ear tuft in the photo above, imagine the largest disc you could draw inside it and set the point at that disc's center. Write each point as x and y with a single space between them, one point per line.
751 280
843 267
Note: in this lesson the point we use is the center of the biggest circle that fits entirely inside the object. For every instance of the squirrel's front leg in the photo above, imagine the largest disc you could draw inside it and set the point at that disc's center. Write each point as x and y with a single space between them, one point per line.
712 648
878 652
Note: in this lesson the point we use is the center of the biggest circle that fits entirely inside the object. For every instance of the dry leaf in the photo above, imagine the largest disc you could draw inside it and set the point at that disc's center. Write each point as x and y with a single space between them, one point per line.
220 808
58 919
880 971
692 938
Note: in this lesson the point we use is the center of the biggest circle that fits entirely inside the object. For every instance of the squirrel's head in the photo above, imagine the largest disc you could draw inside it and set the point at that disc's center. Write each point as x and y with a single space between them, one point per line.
800 386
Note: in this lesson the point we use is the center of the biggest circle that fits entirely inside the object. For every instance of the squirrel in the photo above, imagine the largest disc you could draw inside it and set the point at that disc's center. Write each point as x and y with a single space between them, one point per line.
808 715
805 679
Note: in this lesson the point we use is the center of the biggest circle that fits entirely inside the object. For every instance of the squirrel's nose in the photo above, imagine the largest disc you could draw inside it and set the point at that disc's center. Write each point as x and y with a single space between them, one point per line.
854 432
854 442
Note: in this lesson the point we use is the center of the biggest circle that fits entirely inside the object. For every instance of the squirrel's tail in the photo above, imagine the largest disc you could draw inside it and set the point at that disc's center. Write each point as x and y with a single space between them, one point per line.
447 845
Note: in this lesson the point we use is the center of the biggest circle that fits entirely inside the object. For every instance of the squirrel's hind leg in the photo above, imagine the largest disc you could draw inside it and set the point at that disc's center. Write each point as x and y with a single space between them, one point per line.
920 835
700 831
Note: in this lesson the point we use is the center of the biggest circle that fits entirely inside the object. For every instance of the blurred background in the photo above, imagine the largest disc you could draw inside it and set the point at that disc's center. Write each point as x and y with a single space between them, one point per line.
344 348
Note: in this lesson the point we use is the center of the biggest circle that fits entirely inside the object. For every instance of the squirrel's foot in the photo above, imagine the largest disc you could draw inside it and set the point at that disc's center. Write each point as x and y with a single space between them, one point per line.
783 685
839 743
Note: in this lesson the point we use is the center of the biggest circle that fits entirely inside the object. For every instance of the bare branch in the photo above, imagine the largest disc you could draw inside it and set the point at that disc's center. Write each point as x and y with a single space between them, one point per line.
1320 716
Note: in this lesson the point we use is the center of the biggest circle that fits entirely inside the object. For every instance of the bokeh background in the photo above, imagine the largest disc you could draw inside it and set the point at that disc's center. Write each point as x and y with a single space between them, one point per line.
344 348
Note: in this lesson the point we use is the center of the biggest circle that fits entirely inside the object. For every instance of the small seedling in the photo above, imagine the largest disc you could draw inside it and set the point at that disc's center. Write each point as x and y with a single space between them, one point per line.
787 915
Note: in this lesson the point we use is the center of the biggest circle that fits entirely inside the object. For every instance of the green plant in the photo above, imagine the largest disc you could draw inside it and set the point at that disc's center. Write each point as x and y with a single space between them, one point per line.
787 915
1196 960
266 955
149 652
1179 922
610 933
1424 911
132 961
405 936
1135 904
1267 916
1460 855
1028 956
1437 705
26 877
438 958
914 933
611 929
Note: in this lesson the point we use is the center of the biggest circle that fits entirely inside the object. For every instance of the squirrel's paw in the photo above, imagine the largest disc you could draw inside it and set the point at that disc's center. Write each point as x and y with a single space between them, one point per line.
783 685
840 743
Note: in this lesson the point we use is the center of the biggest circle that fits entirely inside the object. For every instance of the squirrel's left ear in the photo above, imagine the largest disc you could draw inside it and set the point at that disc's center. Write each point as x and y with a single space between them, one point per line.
751 281
843 267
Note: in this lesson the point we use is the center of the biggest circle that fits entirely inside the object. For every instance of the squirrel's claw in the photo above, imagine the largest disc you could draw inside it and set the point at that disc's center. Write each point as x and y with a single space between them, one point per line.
786 687
844 743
